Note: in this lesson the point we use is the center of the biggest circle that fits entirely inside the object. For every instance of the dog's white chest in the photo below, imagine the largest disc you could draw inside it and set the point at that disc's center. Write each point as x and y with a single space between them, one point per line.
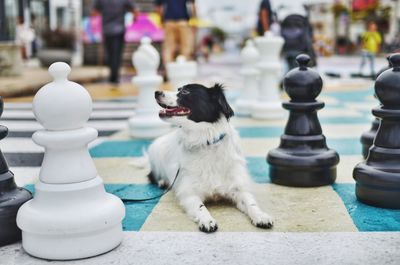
211 168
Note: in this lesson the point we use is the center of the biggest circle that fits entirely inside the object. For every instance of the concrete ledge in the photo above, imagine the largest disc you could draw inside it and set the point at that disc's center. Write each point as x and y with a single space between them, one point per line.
237 248
34 78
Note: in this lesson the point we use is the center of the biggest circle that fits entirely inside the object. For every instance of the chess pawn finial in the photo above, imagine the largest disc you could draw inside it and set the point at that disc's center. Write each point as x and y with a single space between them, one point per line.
181 72
377 178
71 215
146 122
269 46
303 158
367 138
62 104
181 59
146 58
11 197
269 104
303 84
249 56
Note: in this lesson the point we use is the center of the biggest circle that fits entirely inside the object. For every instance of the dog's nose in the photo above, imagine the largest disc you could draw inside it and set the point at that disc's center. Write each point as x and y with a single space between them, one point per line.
158 94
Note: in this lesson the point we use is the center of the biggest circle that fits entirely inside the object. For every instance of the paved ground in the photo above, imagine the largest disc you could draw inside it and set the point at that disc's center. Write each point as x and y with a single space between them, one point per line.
325 225
169 248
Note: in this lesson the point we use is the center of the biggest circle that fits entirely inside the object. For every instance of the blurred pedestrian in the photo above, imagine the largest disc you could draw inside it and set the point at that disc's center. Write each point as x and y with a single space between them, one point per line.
24 37
297 32
370 44
264 17
113 19
175 15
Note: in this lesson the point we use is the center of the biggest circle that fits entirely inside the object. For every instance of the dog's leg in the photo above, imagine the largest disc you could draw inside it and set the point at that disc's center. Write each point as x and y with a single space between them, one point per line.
196 209
246 203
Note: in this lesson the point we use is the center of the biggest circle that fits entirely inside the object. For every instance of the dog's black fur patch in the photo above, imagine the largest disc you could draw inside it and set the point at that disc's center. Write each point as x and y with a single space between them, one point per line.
152 178
205 104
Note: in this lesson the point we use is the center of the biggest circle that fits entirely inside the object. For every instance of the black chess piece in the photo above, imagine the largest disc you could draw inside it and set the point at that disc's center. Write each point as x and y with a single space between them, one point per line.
303 158
367 138
378 178
11 197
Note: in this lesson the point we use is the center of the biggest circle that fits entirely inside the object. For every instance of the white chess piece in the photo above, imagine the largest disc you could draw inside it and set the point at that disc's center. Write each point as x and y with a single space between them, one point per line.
250 56
146 123
71 215
181 72
269 104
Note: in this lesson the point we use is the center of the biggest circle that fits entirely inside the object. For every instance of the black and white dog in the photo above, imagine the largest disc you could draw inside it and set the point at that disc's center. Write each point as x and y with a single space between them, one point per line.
205 150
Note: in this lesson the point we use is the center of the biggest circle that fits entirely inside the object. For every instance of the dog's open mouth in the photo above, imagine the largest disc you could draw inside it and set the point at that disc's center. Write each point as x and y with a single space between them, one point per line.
167 112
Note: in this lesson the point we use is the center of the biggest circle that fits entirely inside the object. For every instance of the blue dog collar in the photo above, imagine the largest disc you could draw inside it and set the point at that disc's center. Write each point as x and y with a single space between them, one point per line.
217 140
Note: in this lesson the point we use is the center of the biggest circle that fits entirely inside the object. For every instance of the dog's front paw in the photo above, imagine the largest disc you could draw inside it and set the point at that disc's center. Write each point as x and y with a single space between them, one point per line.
208 226
263 220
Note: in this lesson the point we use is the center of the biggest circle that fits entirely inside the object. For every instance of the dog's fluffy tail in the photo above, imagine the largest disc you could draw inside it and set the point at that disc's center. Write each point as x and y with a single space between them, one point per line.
141 162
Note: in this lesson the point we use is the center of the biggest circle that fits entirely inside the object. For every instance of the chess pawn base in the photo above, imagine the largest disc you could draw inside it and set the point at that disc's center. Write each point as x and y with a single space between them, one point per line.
147 126
71 221
267 110
367 138
377 178
377 187
312 166
11 199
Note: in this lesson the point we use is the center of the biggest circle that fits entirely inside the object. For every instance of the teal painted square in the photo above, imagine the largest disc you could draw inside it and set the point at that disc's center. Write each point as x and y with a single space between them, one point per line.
123 148
344 120
260 132
351 96
365 217
136 212
347 146
258 169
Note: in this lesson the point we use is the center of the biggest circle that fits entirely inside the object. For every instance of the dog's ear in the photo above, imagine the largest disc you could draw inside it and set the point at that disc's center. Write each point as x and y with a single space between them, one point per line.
217 93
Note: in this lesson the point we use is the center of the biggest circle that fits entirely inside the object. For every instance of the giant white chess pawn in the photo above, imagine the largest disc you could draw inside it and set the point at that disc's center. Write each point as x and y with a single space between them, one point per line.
269 105
250 56
146 123
71 215
181 72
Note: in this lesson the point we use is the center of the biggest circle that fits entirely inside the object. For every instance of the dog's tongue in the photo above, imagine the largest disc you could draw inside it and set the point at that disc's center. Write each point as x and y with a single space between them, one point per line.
176 111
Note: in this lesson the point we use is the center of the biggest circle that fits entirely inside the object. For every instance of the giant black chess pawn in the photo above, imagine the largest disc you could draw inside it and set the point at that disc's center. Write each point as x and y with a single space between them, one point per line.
378 178
303 158
11 197
367 138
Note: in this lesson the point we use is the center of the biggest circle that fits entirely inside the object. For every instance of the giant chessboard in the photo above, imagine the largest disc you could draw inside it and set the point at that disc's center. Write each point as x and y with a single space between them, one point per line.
331 213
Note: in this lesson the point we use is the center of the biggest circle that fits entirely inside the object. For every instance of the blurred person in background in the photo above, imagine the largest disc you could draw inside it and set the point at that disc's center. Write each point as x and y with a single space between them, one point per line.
370 44
298 34
113 19
264 17
175 15
24 36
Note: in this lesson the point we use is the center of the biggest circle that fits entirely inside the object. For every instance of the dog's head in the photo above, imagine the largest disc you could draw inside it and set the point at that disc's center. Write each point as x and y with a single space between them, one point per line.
194 103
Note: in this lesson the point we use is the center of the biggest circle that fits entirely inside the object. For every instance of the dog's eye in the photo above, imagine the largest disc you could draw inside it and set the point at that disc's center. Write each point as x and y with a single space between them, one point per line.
184 92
